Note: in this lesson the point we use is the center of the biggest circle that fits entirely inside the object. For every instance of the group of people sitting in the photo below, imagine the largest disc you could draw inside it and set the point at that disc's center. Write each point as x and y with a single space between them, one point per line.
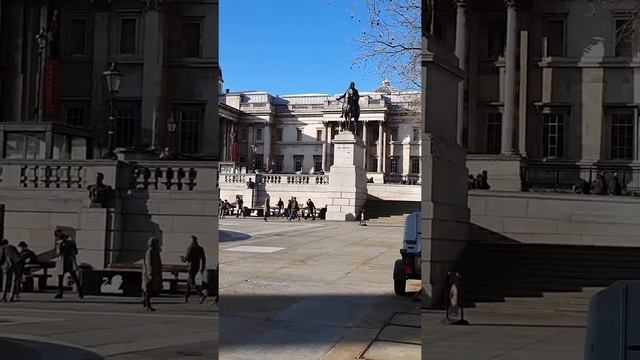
600 186
479 182
292 210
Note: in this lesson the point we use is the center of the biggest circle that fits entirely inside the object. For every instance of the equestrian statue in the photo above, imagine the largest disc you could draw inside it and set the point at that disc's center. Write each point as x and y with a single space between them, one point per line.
350 108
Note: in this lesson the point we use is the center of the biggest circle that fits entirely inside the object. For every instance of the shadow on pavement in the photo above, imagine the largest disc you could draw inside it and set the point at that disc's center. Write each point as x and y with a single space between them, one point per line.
228 236
35 349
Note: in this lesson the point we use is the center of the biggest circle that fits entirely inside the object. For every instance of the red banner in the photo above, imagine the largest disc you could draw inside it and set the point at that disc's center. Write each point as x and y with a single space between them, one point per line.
234 151
51 83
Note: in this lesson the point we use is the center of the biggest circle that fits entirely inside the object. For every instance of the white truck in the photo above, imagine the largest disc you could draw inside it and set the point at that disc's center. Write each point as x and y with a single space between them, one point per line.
408 268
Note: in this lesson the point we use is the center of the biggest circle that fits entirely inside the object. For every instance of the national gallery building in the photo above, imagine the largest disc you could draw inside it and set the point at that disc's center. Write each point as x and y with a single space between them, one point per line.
293 133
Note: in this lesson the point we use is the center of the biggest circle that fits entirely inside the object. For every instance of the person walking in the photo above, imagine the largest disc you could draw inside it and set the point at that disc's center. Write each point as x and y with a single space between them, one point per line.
295 208
240 203
66 251
267 208
196 262
27 255
280 208
289 207
12 267
151 273
312 210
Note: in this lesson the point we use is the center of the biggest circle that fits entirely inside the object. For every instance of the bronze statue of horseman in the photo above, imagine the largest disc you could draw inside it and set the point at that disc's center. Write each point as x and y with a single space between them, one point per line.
350 108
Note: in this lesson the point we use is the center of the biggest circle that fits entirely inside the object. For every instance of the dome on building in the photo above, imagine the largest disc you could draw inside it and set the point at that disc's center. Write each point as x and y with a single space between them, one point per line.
386 88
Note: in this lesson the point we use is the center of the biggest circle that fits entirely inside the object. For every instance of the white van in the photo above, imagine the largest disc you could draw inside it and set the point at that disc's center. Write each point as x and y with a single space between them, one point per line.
408 268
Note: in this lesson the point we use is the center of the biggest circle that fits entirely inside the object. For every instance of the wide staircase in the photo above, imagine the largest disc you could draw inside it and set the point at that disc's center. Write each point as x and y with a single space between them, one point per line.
381 212
540 277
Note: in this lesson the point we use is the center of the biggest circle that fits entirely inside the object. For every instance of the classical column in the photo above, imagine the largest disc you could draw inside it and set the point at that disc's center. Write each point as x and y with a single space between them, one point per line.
266 156
152 117
249 143
325 145
364 140
511 52
380 141
461 54
524 65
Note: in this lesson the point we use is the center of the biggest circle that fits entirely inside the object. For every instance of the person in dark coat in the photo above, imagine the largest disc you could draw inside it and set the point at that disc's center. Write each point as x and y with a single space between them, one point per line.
66 251
196 263
600 187
151 273
27 254
240 203
312 210
12 267
280 208
267 208
616 187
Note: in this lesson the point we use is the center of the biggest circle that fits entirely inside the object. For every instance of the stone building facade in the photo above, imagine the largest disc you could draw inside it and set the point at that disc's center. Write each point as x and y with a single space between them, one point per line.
294 133
548 81
53 103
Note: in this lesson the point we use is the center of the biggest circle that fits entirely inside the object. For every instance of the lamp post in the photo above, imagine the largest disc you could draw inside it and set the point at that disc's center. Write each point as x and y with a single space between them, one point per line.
112 78
42 38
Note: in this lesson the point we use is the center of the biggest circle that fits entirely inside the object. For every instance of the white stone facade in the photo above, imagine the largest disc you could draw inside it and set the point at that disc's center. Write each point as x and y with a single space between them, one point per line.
276 132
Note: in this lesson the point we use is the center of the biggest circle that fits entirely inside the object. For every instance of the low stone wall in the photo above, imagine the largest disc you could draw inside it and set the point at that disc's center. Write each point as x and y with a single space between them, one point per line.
171 200
558 218
391 192
503 170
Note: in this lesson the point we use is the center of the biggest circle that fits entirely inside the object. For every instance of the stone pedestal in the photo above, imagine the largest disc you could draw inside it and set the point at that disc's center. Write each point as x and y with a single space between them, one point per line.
98 237
445 215
347 178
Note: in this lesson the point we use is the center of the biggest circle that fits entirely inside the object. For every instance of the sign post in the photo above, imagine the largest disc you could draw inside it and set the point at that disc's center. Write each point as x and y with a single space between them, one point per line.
455 306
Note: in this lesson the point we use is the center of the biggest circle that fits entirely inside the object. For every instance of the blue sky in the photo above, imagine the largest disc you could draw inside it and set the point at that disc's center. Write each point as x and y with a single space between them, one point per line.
292 46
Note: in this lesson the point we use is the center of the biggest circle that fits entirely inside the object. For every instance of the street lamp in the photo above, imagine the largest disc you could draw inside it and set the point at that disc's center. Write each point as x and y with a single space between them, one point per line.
112 78
42 38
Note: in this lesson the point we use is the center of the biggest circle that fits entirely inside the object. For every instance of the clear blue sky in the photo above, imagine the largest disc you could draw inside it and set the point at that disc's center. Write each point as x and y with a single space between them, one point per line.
292 46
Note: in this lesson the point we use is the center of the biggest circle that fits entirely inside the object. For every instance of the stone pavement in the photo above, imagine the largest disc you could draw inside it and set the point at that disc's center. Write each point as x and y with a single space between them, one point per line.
499 333
311 290
113 328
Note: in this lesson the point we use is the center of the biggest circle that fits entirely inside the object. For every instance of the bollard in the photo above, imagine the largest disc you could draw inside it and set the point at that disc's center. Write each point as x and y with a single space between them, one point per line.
211 282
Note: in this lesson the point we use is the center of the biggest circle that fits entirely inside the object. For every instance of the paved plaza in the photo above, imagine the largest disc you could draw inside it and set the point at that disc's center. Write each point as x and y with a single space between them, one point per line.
313 290
106 328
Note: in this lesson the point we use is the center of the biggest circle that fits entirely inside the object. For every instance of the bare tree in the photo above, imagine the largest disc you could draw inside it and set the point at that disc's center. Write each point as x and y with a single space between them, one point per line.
630 29
391 39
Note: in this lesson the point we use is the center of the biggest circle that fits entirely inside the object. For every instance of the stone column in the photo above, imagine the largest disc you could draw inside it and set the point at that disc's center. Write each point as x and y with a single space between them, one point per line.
325 145
347 189
249 143
461 53
380 141
266 137
364 140
511 54
522 124
100 58
14 71
152 121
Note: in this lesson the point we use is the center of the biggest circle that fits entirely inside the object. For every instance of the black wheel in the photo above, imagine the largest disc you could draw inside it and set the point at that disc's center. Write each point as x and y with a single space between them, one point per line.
399 280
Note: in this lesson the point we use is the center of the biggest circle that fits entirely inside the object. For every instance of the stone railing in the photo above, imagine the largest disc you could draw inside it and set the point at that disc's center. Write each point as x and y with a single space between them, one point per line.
276 179
307 179
402 179
237 178
61 176
173 176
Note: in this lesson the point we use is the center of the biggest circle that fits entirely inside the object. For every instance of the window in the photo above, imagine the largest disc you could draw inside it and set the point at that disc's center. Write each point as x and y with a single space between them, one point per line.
416 134
374 163
279 132
128 36
77 37
497 33
127 123
415 165
74 115
242 160
622 136
318 135
24 146
553 135
555 34
317 162
297 162
393 164
243 134
494 133
259 134
189 121
375 134
257 161
624 33
298 134
394 133
277 163
334 132
192 38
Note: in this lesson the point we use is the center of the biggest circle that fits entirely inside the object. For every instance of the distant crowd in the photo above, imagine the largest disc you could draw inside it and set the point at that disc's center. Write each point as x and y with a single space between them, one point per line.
292 211
600 186
480 181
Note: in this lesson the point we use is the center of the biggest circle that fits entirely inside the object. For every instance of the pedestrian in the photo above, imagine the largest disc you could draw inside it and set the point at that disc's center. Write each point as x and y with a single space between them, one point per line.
295 208
600 187
27 255
312 210
151 273
362 219
196 262
471 182
240 203
12 267
280 208
616 187
66 251
267 208
289 208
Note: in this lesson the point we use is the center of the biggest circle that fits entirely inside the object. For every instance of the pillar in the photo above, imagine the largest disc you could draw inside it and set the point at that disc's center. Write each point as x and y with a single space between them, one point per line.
380 141
249 143
266 137
152 120
100 58
364 140
461 54
325 145
522 124
509 115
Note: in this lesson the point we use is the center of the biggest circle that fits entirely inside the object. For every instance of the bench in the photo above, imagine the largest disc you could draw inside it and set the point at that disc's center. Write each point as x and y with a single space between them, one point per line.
29 275
174 269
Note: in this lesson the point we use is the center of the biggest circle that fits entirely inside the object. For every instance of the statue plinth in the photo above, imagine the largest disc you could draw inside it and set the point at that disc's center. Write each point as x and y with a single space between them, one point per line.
347 178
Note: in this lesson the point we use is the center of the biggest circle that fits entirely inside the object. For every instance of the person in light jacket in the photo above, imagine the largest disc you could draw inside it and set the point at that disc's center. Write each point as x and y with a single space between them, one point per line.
151 273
